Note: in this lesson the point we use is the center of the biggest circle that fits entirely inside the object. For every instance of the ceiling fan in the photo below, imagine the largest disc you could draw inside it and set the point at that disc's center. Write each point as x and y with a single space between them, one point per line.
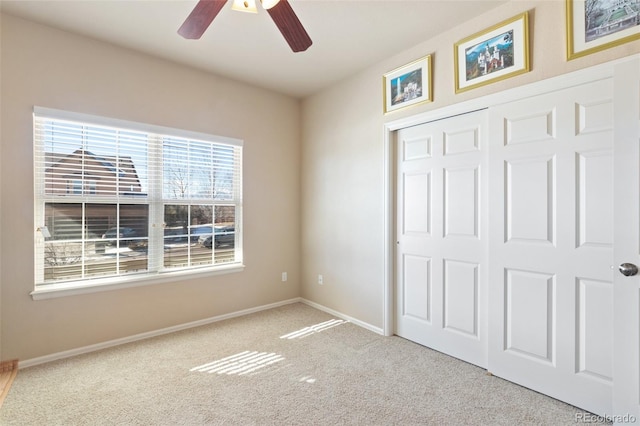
280 11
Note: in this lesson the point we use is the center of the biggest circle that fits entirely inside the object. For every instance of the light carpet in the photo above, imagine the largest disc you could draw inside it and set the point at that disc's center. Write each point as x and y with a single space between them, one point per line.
293 365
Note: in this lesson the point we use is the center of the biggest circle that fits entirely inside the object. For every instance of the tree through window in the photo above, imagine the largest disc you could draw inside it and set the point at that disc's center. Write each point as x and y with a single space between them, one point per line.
118 199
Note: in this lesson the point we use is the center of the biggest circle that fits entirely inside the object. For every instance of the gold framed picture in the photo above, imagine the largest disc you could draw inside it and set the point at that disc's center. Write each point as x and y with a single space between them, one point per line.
596 25
497 53
408 85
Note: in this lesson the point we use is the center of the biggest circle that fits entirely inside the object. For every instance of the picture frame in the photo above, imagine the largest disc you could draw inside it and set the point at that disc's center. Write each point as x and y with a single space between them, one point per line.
494 54
596 25
408 85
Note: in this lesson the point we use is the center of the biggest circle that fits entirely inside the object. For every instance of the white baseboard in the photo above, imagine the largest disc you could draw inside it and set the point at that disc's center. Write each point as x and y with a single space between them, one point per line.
111 343
141 336
343 316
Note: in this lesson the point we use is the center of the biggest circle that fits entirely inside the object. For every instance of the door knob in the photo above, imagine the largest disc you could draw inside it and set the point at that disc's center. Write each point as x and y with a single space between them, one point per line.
628 269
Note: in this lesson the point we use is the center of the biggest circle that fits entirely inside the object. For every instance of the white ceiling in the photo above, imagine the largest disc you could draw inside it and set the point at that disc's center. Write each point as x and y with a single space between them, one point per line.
348 35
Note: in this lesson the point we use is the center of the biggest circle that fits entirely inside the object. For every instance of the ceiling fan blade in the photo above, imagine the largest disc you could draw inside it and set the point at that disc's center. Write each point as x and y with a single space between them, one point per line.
200 18
290 26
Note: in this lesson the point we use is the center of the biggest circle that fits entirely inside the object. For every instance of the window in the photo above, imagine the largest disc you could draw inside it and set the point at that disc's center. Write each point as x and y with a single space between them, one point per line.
117 201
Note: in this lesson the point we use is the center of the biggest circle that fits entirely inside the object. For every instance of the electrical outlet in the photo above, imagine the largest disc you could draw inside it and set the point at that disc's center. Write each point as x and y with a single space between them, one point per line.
284 276
320 280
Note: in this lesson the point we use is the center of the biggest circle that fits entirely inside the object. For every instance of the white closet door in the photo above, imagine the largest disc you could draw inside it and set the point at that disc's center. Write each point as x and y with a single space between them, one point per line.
551 243
627 243
442 239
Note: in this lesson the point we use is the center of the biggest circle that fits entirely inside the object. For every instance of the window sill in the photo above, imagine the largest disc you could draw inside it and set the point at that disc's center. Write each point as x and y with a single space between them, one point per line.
52 291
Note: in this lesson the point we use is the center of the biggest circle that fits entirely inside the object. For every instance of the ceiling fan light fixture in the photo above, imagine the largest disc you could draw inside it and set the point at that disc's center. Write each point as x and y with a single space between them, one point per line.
268 4
280 12
245 6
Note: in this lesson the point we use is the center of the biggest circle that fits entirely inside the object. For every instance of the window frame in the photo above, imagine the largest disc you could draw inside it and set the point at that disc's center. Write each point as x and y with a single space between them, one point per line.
156 272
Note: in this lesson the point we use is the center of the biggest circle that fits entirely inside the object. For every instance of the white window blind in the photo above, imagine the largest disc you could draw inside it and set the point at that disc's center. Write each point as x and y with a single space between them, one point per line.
116 200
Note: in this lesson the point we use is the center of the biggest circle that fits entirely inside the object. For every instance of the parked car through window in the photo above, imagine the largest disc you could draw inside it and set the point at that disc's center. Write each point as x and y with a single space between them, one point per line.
224 236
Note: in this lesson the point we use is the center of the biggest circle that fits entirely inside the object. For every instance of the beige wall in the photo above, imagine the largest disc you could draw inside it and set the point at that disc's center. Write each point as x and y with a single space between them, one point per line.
1 193
343 155
51 68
